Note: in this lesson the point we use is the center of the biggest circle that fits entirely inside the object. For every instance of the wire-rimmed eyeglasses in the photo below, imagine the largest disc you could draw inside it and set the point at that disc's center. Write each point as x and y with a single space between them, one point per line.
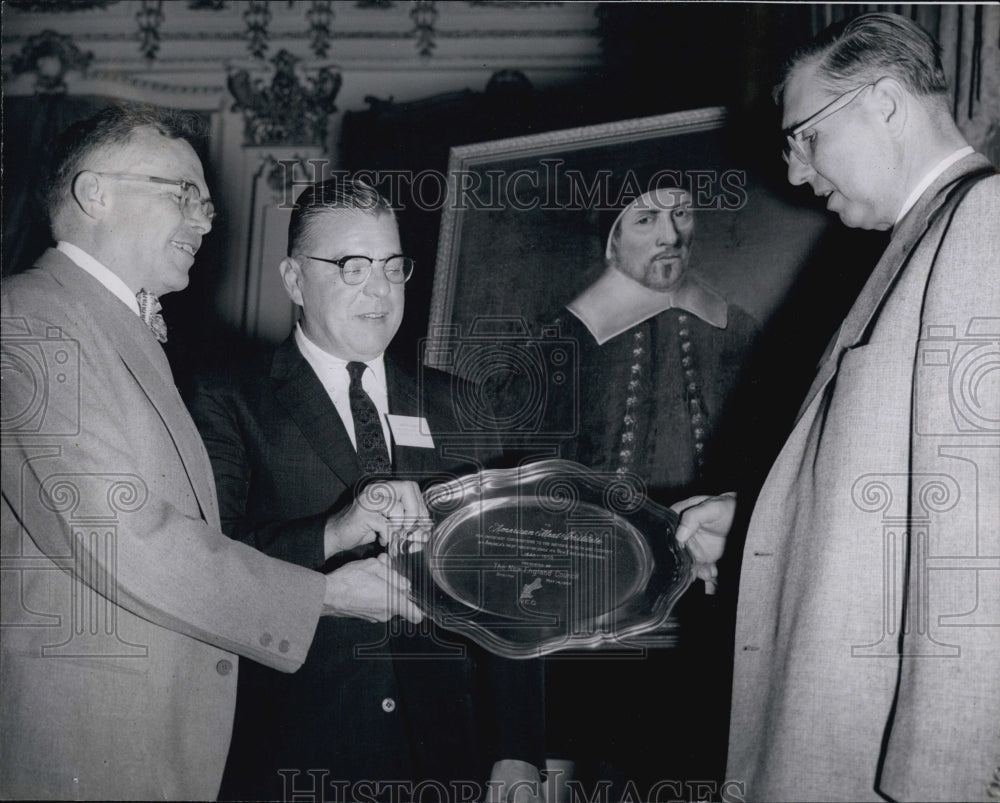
190 199
801 146
356 269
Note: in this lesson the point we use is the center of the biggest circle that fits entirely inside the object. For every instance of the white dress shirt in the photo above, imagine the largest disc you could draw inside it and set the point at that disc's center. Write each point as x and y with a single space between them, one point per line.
332 373
110 280
926 181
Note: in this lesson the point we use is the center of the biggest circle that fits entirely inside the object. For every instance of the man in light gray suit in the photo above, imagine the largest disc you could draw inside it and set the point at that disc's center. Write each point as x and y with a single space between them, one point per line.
868 631
124 605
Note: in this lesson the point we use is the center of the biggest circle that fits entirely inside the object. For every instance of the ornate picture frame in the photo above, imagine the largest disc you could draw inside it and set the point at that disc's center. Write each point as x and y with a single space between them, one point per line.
520 234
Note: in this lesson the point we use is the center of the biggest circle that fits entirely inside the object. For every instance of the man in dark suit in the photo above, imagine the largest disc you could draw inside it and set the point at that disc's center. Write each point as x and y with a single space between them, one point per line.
291 442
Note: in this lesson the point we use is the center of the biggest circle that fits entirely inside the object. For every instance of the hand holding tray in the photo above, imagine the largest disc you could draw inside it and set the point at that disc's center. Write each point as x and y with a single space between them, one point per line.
547 557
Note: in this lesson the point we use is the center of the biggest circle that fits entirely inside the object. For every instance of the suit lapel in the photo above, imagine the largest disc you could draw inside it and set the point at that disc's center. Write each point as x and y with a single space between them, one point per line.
306 401
404 399
897 255
402 388
145 360
409 397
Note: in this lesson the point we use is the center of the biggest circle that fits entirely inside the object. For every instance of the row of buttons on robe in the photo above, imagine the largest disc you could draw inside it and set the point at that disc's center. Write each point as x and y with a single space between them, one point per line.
627 445
696 407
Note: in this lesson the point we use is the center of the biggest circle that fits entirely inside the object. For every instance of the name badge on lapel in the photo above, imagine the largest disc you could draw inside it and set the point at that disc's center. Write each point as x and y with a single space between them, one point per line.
410 430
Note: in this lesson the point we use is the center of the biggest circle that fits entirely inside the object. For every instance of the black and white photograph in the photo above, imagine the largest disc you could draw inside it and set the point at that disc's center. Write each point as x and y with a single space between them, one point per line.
498 401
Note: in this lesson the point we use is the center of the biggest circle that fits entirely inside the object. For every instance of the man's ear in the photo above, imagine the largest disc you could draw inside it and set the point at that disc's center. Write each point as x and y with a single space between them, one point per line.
291 277
890 103
89 194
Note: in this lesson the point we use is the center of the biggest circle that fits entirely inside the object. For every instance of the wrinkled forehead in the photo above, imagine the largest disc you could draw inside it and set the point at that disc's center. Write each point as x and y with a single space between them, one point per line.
804 94
362 230
150 152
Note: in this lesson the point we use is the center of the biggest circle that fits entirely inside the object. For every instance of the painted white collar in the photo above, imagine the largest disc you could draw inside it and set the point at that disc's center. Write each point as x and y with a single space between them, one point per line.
112 281
615 303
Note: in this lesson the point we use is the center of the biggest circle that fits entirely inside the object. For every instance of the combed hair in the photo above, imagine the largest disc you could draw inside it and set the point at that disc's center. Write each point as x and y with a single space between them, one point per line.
111 128
335 194
859 51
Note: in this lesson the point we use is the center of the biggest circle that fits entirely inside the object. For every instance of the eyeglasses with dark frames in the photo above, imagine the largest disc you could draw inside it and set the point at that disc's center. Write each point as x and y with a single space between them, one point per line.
356 269
190 199
802 146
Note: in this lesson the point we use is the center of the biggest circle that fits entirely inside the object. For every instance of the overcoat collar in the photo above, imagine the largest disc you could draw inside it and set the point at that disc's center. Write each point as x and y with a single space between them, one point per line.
145 360
906 236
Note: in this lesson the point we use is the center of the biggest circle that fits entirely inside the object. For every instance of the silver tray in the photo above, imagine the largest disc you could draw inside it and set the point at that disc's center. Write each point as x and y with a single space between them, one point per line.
549 557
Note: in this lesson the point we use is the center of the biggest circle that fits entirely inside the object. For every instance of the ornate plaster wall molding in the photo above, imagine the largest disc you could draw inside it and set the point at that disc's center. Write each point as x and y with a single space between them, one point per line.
151 36
293 109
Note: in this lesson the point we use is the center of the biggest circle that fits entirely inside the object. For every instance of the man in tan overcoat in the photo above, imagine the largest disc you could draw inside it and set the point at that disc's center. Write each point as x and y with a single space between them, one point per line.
867 651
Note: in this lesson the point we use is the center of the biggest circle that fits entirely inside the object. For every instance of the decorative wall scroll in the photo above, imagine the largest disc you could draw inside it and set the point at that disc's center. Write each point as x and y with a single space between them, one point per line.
57 6
50 56
257 17
289 111
150 18
285 178
320 15
424 16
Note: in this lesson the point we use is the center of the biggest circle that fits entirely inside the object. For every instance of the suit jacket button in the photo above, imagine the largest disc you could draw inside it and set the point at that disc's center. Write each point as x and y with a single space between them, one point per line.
224 667
284 645
388 705
266 639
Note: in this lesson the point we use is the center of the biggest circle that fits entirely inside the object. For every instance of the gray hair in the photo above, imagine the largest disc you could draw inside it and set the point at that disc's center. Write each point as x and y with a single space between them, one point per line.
859 51
111 128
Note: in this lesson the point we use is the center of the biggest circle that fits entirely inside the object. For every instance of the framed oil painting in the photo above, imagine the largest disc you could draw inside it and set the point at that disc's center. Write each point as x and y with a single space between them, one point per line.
521 233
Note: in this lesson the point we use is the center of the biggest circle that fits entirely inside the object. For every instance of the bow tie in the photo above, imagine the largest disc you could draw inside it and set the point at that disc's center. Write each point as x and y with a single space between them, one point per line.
149 311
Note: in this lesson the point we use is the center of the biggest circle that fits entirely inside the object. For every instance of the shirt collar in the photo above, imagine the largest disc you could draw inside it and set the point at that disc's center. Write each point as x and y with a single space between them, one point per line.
928 179
616 302
112 281
323 361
